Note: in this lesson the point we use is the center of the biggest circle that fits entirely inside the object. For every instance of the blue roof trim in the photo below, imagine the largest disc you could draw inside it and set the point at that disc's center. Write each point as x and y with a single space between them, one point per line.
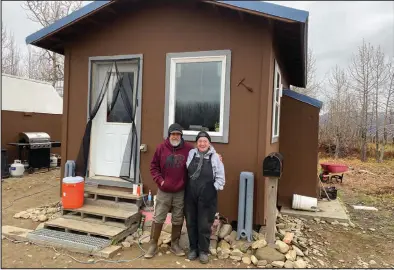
303 98
262 7
271 9
66 20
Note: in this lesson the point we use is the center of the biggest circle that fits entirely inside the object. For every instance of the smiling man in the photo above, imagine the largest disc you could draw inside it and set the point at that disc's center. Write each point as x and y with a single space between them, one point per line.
168 169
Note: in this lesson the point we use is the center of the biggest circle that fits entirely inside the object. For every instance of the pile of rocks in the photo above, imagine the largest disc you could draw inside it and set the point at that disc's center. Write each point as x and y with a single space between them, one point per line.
42 213
290 250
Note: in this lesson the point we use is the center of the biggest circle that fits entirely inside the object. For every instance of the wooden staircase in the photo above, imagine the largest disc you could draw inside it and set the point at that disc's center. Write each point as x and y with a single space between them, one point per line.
108 212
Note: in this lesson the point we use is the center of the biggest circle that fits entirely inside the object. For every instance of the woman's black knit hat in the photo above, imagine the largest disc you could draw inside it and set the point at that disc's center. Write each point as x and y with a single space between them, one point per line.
203 134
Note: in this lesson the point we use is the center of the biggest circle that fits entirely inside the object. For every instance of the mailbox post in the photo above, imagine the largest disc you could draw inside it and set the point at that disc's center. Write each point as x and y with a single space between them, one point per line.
272 168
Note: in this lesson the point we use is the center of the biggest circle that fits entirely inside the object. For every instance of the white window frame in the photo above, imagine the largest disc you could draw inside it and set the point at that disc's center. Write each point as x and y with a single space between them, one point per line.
275 103
198 57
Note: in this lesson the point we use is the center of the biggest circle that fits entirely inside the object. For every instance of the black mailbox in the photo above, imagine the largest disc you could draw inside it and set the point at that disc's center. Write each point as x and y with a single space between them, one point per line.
273 165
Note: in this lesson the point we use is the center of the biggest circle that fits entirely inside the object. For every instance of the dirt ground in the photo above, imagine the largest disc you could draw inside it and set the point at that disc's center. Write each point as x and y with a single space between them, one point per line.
345 246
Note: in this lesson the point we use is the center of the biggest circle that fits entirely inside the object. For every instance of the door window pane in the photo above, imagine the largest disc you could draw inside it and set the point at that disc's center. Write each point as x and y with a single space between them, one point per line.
197 95
117 109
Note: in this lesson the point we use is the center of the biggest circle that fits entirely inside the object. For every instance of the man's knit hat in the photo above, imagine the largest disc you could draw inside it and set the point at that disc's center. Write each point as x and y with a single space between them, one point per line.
175 128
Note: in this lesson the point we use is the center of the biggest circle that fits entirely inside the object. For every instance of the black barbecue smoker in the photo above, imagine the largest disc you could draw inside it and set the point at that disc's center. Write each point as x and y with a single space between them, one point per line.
35 148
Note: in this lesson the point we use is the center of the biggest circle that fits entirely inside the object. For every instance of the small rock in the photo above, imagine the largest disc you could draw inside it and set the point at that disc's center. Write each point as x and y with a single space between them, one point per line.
289 264
259 244
298 251
119 254
344 224
17 215
187 260
225 230
280 226
254 260
91 260
299 264
269 254
168 252
30 256
231 237
268 266
167 240
178 263
278 264
262 263
159 254
130 239
288 237
372 229
282 246
372 262
323 222
51 210
42 218
317 220
164 246
246 246
25 215
342 261
335 222
352 224
321 262
183 266
237 253
126 244
291 255
144 239
246 260
236 258
224 245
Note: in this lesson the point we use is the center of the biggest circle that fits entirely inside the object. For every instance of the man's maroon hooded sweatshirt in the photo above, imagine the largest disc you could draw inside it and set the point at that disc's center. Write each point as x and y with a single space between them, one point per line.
169 165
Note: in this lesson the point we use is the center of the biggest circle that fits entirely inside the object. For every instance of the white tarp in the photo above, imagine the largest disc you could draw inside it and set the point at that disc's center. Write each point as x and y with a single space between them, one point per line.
26 95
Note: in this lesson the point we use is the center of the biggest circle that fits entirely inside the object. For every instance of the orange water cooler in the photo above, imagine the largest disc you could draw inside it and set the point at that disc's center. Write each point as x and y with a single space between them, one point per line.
73 192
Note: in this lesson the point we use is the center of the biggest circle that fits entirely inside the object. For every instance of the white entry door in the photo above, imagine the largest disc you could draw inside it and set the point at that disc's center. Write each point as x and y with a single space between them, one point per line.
111 137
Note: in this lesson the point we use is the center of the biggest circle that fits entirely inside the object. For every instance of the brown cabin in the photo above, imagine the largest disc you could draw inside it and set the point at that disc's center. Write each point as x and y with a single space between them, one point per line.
207 65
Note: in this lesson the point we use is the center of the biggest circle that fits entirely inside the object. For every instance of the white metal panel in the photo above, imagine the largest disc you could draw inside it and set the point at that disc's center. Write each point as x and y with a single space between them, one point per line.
26 95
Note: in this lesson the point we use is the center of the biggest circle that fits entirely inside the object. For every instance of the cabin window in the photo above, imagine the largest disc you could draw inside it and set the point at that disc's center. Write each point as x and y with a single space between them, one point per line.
277 94
198 93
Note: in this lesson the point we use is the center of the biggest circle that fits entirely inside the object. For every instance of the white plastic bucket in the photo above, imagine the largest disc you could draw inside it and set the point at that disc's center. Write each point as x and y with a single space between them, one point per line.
304 203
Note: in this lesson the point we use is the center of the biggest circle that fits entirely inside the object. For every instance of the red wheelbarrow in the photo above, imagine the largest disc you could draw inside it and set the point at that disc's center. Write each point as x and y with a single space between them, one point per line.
332 172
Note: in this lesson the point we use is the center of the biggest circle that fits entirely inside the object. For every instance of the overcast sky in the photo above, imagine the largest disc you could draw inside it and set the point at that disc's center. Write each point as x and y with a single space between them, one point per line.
335 28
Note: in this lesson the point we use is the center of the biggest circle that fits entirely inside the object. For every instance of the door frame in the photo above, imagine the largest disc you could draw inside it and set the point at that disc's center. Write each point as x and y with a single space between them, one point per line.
96 59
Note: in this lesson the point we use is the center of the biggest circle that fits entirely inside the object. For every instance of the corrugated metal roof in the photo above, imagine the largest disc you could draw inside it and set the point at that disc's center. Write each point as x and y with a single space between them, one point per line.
66 20
271 9
26 95
303 98
261 7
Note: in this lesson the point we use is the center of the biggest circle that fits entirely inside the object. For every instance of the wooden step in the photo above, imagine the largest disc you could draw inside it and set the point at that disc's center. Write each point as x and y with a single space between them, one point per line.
105 213
131 207
115 234
90 229
113 195
76 216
